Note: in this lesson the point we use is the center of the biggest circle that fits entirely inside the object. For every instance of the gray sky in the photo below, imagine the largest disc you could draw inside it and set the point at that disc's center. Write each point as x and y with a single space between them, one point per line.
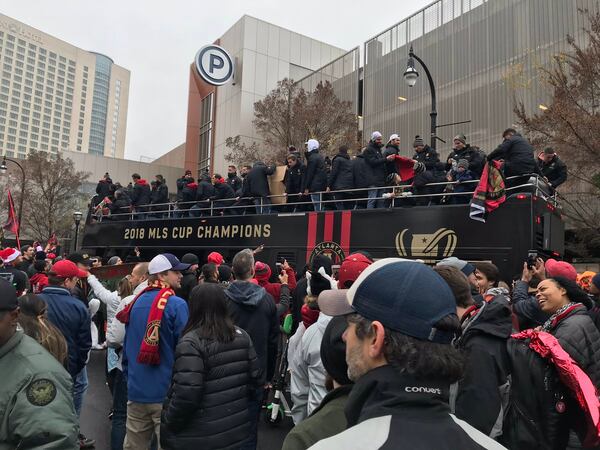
157 41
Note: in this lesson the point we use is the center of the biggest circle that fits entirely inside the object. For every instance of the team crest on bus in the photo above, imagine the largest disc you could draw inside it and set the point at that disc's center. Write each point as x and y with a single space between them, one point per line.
428 247
329 249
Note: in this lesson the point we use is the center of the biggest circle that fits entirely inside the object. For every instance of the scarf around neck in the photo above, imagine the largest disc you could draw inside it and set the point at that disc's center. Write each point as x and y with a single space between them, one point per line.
150 350
559 315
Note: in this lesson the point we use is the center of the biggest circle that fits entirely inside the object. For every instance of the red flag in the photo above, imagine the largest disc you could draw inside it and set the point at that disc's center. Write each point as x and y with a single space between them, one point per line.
490 192
12 224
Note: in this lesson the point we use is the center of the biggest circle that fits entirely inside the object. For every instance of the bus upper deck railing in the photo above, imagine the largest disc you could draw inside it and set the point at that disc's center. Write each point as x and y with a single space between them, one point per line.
439 193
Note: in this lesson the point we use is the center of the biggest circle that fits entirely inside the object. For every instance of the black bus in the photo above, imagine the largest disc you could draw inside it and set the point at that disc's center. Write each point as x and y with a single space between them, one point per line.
525 222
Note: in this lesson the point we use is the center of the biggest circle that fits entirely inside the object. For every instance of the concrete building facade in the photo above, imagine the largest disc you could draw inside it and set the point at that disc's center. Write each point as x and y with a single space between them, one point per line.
56 97
263 54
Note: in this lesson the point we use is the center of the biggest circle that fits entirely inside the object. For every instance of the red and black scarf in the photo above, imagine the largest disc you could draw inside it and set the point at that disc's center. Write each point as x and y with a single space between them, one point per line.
149 350
490 192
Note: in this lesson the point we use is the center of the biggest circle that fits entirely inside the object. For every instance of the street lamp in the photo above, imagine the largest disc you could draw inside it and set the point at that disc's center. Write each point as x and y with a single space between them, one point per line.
77 218
3 170
410 77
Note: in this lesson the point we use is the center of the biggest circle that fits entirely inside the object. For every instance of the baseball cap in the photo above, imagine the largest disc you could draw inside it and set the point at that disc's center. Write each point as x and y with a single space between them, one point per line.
8 296
9 254
393 136
67 269
215 258
80 258
405 296
556 268
166 261
190 258
351 268
333 302
465 267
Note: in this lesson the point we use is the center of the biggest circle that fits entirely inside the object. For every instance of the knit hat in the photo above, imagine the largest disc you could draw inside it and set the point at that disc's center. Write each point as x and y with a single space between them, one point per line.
463 163
351 268
112 261
393 136
312 145
333 350
461 137
556 268
463 266
190 258
262 271
9 254
215 258
375 135
405 296
418 141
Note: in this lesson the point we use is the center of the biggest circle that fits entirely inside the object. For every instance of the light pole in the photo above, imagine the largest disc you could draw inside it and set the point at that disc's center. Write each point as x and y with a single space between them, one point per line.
410 77
3 170
77 218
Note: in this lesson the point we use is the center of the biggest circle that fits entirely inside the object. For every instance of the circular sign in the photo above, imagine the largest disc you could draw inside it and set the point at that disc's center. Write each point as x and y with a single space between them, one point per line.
214 65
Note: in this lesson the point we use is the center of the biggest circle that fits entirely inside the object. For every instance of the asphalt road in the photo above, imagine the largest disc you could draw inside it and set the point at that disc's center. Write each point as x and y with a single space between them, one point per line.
96 425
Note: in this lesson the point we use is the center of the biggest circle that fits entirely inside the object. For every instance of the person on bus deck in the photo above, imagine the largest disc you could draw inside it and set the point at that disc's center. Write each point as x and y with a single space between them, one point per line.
392 148
241 204
461 150
256 185
360 179
341 179
160 195
277 290
140 195
425 154
516 153
104 188
181 183
552 168
253 309
315 177
481 395
120 208
190 276
233 180
188 197
375 170
204 192
401 368
461 175
224 196
293 183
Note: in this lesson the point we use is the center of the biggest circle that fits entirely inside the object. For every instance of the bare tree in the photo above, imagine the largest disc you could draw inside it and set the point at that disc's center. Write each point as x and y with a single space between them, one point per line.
52 194
571 121
290 116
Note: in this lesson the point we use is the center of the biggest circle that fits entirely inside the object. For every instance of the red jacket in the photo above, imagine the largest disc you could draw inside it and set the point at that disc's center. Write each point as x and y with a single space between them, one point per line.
38 282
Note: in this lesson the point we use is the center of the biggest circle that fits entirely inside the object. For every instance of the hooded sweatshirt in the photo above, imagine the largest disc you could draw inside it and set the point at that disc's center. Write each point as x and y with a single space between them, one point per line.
253 309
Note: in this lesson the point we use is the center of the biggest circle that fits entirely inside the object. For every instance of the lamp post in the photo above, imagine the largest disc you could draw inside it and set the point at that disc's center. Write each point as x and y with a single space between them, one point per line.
77 218
3 170
410 77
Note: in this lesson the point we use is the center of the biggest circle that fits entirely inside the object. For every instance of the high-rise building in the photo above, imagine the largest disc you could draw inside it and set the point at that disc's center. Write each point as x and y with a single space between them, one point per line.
57 97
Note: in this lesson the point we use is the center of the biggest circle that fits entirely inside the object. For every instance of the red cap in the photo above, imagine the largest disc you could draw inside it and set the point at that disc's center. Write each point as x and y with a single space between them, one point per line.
563 269
67 269
351 268
215 258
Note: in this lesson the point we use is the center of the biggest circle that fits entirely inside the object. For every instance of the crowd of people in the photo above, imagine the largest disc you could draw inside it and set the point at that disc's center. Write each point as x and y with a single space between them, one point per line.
372 178
381 354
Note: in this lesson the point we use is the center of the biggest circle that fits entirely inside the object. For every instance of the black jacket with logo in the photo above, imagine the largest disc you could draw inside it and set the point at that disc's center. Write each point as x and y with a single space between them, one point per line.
389 410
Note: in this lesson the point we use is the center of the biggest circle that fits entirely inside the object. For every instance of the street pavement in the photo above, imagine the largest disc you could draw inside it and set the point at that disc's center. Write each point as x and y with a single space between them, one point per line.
96 425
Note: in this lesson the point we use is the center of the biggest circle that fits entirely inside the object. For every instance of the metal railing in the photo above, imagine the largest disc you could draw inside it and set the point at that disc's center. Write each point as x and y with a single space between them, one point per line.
384 197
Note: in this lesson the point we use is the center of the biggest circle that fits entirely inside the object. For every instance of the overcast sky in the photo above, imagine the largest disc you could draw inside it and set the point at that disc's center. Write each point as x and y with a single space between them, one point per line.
157 41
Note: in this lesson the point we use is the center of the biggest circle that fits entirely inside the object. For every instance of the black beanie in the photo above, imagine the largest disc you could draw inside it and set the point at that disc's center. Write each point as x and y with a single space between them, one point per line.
321 261
333 350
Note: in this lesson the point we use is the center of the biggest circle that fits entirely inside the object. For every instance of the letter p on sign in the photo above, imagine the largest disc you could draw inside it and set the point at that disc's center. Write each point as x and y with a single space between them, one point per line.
214 65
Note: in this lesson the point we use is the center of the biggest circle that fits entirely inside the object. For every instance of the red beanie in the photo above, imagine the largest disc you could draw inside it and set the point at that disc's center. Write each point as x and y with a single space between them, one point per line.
215 258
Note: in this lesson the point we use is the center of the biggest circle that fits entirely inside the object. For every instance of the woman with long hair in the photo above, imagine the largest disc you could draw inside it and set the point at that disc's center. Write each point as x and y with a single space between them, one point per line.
215 373
36 325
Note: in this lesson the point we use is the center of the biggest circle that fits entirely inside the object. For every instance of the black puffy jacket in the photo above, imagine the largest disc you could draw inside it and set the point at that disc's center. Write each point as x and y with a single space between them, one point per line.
103 188
390 166
341 176
141 193
234 181
483 391
375 165
205 190
256 183
315 176
361 173
181 183
207 404
293 179
517 154
555 171
160 195
429 157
